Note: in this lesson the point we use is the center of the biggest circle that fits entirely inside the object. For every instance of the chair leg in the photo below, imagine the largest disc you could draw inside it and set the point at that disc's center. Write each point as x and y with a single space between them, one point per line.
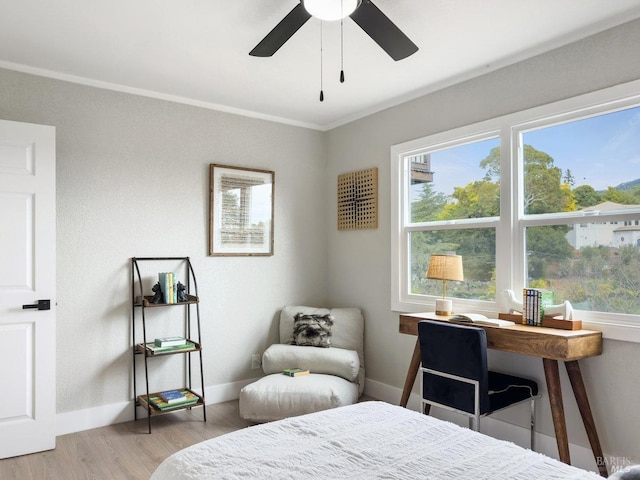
474 423
533 424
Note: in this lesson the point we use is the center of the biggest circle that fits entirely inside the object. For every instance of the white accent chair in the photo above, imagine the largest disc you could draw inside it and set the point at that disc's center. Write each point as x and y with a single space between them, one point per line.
337 372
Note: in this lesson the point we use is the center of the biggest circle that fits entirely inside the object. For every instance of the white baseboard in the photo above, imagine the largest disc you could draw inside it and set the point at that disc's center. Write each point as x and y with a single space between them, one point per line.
111 414
79 420
581 457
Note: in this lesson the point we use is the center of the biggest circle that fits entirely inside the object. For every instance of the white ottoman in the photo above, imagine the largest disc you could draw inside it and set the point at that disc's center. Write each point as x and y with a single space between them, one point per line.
278 396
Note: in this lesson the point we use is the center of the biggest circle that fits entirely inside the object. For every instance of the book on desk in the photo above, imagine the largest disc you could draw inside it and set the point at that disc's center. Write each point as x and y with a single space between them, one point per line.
479 319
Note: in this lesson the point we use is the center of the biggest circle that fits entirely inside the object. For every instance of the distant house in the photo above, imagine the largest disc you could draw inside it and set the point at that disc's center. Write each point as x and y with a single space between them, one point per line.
608 234
627 235
421 169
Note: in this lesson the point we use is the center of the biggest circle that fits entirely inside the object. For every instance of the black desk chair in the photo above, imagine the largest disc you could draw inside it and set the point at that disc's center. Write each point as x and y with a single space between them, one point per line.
455 376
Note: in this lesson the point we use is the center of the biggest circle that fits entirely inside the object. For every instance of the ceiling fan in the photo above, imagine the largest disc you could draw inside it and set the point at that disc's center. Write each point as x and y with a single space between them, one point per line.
368 17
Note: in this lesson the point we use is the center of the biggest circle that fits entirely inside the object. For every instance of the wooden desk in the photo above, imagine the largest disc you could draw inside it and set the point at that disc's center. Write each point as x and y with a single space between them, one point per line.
551 345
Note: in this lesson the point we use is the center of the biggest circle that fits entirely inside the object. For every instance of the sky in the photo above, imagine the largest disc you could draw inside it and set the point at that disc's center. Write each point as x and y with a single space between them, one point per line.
600 151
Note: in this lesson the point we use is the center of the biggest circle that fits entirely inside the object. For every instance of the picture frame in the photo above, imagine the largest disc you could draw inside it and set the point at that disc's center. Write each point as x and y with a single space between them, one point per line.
241 204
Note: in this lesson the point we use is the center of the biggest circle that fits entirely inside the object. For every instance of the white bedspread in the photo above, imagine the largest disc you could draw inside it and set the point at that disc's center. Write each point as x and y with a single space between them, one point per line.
362 441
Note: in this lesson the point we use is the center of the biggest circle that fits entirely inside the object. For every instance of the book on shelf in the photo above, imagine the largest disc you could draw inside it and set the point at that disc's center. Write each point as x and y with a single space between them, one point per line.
295 372
172 396
190 398
189 345
170 341
479 319
168 286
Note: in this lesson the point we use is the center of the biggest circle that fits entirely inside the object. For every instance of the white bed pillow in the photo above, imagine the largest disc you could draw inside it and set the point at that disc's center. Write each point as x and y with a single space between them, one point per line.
332 361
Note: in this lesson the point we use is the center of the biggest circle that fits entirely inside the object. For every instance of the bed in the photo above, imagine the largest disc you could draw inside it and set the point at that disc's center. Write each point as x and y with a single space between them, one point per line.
361 441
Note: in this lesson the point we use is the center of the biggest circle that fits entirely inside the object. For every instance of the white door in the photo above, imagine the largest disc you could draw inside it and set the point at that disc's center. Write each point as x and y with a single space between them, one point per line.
27 275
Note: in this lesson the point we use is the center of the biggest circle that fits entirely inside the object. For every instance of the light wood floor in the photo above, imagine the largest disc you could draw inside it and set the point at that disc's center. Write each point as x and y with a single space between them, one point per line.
125 450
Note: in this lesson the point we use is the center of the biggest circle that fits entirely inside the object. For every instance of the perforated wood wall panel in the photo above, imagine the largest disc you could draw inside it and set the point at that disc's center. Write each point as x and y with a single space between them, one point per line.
358 199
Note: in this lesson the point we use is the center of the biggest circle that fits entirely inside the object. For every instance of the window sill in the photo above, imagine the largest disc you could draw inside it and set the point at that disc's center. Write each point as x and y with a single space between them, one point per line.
611 331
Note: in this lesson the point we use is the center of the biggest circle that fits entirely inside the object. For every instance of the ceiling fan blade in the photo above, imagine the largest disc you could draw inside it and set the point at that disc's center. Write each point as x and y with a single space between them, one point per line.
281 32
383 31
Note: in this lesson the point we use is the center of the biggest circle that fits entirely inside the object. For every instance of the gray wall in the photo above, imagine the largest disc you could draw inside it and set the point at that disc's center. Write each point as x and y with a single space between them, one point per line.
132 180
359 268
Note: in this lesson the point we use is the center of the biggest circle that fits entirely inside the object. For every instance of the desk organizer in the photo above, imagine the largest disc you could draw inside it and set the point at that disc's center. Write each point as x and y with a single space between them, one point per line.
549 322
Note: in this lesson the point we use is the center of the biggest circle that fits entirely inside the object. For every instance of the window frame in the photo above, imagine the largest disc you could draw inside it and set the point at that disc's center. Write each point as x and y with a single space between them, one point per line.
512 223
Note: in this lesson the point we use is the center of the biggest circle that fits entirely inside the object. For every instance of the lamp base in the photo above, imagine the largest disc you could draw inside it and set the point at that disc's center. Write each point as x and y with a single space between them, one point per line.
444 307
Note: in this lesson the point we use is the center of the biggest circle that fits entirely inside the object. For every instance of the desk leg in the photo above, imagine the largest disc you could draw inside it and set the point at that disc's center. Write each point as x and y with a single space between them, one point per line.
575 376
552 376
414 366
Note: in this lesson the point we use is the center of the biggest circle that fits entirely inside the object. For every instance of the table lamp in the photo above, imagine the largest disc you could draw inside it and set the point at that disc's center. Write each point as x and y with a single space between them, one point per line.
445 267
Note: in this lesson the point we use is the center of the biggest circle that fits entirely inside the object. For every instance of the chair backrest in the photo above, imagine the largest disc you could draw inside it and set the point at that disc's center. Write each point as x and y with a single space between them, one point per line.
456 350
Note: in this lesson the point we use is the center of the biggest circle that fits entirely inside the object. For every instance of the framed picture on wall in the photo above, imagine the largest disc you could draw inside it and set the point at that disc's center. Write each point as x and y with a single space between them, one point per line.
240 211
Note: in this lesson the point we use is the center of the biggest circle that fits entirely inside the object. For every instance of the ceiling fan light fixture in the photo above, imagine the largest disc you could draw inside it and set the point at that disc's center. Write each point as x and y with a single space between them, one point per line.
330 10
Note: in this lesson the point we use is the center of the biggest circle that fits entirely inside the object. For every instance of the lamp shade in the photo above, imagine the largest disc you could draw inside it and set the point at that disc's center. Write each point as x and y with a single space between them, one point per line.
330 9
445 267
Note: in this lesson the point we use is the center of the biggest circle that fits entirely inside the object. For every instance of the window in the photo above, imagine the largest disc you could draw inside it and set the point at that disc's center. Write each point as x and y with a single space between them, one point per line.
455 188
546 198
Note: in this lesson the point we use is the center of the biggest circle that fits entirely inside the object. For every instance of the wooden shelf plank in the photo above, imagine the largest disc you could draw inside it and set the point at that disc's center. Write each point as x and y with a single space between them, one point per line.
143 402
146 301
140 348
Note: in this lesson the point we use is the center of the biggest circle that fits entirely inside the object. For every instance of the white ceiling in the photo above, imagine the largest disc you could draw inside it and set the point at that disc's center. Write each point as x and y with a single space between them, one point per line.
196 51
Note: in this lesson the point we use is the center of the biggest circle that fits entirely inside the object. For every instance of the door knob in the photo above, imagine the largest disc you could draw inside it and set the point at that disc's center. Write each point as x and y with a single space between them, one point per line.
41 305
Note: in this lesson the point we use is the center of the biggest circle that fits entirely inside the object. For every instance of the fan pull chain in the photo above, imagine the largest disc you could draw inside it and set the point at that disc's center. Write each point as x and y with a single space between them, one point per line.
341 44
321 86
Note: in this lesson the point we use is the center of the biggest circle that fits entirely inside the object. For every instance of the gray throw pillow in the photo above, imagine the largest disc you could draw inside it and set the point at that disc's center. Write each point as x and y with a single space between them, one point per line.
312 330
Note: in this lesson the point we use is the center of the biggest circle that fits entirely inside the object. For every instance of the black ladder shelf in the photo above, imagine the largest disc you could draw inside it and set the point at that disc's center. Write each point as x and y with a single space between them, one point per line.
143 349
